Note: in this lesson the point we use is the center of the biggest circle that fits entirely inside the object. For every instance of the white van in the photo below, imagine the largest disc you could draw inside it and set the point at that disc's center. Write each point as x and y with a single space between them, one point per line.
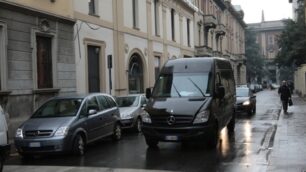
4 142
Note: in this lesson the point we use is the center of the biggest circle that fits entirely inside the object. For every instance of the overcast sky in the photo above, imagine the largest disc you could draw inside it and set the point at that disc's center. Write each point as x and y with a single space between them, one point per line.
273 9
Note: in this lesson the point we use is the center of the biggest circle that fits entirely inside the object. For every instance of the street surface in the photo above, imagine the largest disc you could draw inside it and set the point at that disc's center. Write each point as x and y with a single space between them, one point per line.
249 149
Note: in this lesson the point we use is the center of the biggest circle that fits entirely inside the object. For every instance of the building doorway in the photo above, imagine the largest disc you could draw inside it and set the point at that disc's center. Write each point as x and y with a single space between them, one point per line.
93 68
136 75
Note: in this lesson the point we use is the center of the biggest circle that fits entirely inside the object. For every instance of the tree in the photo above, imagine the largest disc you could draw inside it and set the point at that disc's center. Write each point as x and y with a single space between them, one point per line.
254 60
293 41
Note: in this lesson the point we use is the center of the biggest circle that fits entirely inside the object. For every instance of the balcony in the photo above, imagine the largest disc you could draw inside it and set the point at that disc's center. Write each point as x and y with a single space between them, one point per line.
204 51
210 21
220 30
217 54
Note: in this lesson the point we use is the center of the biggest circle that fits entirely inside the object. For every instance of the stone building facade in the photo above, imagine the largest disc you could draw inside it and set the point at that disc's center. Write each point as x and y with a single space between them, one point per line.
220 32
136 36
37 55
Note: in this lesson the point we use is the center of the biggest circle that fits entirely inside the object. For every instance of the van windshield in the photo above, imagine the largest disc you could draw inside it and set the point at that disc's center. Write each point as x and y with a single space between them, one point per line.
58 108
182 85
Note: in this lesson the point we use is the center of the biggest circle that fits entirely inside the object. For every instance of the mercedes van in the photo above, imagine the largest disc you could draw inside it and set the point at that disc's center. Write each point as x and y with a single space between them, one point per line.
192 100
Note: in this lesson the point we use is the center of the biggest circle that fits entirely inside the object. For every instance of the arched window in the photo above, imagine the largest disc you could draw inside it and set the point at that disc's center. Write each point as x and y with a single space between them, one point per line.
136 75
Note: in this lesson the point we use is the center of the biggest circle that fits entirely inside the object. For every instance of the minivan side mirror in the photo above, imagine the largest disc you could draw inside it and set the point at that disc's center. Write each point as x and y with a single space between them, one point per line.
92 112
92 109
148 93
220 92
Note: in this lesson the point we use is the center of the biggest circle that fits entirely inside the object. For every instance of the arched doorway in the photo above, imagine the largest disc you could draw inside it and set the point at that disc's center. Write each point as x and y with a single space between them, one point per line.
136 74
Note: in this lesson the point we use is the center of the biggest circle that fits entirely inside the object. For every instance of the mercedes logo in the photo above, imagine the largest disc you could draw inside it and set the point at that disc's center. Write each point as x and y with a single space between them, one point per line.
171 120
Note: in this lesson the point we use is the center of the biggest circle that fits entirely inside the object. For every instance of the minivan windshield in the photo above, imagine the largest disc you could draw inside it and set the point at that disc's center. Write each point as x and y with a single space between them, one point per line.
59 108
182 85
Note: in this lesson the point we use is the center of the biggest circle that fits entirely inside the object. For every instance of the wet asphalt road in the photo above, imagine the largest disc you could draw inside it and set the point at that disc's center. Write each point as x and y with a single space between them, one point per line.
247 150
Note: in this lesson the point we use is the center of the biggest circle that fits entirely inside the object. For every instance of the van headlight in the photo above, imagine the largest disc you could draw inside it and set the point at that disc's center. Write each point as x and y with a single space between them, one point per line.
19 133
62 131
201 117
146 118
246 103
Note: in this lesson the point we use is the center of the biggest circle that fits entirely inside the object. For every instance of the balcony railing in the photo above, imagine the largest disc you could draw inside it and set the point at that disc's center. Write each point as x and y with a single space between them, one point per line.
203 51
220 30
217 54
210 21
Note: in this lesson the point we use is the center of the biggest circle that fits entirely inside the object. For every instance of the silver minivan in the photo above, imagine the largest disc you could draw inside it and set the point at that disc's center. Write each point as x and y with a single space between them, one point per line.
68 124
4 141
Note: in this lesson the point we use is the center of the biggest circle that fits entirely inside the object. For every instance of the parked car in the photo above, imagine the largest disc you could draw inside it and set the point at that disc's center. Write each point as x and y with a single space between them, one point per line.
68 124
4 141
245 101
185 104
131 110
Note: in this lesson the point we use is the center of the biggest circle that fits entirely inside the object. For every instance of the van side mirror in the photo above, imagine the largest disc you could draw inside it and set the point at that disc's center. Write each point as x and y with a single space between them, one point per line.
220 92
148 93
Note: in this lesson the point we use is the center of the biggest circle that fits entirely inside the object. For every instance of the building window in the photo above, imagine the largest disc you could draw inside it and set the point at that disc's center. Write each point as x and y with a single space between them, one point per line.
173 24
44 62
135 14
156 66
156 17
3 56
93 4
188 32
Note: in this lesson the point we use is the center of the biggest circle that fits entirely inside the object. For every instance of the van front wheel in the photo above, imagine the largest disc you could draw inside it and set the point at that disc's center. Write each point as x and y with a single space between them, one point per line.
213 140
1 162
152 143
231 124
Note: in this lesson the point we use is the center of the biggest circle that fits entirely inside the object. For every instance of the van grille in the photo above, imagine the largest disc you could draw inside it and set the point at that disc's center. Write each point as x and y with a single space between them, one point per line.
180 120
38 133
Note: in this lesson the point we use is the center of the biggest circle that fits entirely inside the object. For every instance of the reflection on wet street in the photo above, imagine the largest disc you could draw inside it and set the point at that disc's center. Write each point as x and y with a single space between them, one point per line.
245 150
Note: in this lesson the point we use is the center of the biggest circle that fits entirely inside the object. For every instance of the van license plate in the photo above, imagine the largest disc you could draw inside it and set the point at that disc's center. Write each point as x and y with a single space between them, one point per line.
171 138
34 144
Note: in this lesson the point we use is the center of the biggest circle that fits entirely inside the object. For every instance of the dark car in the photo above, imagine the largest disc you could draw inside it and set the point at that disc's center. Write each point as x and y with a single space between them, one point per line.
69 123
192 100
245 100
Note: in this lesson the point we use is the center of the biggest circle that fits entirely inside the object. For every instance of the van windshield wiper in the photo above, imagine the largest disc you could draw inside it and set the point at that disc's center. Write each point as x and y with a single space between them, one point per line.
197 87
176 90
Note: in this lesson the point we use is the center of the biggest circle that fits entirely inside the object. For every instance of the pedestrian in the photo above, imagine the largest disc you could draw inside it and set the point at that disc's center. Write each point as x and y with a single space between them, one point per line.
285 95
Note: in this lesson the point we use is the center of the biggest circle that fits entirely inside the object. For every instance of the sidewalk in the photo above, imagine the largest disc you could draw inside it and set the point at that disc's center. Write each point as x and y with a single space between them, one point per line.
289 150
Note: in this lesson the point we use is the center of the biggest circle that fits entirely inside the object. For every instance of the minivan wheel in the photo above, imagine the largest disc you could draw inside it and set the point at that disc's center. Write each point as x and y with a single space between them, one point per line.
1 162
117 133
79 145
138 125
152 143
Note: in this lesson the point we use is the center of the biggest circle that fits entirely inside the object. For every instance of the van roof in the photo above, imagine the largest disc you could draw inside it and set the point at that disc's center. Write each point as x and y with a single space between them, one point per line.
192 65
